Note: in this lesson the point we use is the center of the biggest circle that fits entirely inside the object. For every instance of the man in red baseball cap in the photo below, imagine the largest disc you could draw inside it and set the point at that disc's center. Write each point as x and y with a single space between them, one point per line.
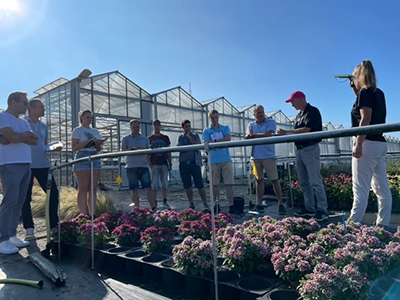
307 158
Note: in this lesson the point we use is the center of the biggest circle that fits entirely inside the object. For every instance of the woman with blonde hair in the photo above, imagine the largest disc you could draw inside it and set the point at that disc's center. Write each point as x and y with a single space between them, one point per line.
368 162
86 141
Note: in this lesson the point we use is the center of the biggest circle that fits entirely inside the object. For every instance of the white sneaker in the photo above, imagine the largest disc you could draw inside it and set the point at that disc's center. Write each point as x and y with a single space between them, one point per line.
7 248
18 242
30 234
264 203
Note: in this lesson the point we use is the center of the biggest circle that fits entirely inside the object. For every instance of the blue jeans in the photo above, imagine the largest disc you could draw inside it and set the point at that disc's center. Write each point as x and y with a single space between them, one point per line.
309 172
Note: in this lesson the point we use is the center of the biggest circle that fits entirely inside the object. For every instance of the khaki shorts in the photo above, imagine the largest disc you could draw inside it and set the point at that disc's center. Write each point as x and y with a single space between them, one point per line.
269 165
225 169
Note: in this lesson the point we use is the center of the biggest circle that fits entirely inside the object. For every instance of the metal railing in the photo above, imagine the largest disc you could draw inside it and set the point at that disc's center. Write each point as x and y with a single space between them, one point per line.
208 147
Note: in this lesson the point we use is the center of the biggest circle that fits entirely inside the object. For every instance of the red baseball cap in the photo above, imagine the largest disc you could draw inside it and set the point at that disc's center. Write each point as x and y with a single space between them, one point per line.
296 95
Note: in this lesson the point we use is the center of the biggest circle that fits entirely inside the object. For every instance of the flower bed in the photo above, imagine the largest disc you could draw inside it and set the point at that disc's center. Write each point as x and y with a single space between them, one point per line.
335 262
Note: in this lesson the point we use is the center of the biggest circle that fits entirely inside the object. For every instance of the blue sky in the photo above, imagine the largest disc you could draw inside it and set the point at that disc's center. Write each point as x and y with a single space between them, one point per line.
253 51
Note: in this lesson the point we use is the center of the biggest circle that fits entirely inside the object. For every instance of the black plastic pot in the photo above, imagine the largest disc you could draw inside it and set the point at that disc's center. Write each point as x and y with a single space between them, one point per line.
278 294
155 258
196 285
252 287
171 278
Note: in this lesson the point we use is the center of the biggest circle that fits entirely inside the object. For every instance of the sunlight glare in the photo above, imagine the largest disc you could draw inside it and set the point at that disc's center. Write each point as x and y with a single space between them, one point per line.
10 5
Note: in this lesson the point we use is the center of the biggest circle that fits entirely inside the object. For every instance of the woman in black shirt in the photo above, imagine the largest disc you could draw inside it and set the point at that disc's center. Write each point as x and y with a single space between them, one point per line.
368 163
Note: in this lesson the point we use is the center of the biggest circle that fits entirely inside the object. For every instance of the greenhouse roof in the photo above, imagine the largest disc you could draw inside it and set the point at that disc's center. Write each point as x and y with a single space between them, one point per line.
51 85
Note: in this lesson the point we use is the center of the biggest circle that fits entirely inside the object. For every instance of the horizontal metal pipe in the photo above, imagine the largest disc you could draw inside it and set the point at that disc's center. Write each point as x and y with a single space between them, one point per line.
251 142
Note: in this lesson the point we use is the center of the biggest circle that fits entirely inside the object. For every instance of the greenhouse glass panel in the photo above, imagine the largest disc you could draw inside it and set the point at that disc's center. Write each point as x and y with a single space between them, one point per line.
186 115
101 104
218 105
166 114
133 91
161 98
237 125
117 85
100 84
134 108
227 108
118 106
86 100
173 97
186 101
197 121
146 96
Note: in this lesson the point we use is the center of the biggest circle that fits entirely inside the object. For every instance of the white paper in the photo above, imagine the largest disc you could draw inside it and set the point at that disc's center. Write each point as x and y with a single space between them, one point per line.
216 135
52 146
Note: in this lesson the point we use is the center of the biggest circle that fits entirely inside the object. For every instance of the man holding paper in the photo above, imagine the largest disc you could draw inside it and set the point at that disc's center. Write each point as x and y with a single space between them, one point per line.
39 168
221 162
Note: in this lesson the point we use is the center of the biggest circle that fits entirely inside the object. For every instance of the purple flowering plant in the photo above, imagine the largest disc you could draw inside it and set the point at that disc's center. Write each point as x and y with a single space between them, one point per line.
194 256
110 219
166 218
190 215
242 252
126 234
101 233
69 231
330 282
202 228
295 259
157 239
82 219
142 217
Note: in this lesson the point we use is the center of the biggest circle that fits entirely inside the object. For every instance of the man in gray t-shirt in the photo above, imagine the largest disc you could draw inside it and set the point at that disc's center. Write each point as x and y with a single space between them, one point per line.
39 169
137 167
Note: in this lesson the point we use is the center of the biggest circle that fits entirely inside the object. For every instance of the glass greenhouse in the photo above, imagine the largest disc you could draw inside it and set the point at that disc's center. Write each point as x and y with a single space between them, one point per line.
116 100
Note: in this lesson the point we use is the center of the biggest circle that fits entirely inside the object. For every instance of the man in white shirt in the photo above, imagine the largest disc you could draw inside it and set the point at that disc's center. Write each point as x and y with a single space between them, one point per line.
15 169
39 168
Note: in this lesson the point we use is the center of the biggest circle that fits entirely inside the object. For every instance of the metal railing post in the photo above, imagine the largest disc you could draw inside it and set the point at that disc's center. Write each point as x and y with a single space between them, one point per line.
212 202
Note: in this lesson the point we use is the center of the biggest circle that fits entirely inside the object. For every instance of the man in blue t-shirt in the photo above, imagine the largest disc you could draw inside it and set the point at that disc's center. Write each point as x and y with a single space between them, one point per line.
221 162
263 157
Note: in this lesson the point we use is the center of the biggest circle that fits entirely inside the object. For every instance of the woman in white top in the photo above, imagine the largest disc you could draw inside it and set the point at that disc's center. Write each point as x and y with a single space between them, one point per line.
86 141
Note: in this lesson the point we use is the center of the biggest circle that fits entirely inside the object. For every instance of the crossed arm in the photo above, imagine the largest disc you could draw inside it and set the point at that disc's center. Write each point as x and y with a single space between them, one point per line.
12 137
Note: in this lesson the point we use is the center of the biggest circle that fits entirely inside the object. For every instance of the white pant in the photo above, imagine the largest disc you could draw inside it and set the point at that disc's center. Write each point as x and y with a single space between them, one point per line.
370 170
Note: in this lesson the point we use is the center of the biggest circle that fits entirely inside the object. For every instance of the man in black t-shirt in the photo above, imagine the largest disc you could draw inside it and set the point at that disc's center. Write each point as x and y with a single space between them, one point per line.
307 158
160 163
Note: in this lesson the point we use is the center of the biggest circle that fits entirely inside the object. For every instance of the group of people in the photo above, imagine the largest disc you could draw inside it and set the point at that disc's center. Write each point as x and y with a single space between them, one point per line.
23 157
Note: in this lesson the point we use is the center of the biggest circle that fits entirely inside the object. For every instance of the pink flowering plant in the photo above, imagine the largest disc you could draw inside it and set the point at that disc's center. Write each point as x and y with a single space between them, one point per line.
338 188
202 228
126 235
157 239
190 215
242 253
223 219
69 232
299 226
101 233
194 256
166 218
196 229
296 259
110 219
141 217
329 282
82 219
393 254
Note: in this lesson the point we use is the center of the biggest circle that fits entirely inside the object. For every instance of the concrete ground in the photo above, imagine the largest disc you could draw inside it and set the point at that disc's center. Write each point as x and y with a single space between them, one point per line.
83 283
